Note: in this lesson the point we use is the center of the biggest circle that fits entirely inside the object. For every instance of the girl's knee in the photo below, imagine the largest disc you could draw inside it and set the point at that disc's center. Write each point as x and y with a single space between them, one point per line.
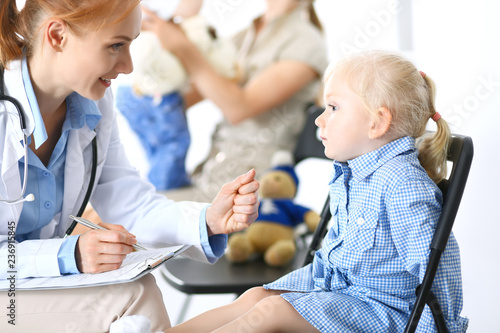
263 300
252 296
254 292
257 294
270 304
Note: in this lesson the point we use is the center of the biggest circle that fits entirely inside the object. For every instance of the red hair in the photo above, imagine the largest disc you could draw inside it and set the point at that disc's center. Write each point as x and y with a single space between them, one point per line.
20 28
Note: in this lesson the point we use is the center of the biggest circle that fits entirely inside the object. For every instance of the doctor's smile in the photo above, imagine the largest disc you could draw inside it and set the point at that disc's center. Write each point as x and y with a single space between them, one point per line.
61 150
105 82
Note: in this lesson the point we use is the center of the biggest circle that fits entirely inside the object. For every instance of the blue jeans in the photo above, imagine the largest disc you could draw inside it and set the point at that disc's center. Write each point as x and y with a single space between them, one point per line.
163 131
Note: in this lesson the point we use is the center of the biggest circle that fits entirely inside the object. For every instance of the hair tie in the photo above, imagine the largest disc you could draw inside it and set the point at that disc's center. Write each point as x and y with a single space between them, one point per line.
423 74
436 116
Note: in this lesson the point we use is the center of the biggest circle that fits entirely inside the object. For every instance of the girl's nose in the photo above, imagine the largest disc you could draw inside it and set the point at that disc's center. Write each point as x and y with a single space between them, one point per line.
319 120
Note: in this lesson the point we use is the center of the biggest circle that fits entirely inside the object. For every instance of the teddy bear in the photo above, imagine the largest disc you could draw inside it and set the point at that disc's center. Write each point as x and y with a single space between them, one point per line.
272 234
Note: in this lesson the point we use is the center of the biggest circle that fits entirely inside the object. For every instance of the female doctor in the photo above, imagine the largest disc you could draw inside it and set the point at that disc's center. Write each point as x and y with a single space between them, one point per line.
60 57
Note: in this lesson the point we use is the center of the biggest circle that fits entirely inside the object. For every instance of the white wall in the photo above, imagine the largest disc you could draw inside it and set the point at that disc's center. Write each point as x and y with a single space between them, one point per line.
457 43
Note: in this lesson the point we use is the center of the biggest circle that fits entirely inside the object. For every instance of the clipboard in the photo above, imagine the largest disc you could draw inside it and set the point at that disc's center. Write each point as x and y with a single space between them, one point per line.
136 265
152 263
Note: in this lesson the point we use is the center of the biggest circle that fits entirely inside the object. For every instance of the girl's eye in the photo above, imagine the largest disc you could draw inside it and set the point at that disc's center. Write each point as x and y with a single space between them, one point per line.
117 46
333 107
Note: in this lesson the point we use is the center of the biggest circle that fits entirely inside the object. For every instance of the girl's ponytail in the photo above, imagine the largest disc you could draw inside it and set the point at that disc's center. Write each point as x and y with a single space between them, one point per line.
11 43
433 149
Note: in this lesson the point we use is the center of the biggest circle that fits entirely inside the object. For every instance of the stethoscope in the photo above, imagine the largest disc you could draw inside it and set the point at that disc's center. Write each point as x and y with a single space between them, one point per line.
30 196
20 111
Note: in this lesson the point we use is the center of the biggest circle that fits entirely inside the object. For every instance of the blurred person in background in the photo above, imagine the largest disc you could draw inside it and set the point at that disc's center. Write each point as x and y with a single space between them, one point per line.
151 97
281 57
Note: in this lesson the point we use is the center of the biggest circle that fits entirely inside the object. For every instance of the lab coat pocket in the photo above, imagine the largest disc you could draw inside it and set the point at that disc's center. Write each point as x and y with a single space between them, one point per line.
361 228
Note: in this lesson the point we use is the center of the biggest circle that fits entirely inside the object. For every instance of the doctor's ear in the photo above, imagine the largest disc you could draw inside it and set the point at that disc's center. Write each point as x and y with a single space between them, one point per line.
56 34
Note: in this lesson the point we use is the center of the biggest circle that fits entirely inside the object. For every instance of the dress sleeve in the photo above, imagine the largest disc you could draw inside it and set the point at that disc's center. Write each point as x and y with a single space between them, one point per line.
413 211
307 46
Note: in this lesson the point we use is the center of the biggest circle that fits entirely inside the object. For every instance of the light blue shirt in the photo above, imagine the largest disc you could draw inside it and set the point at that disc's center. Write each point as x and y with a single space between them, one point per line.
47 183
214 245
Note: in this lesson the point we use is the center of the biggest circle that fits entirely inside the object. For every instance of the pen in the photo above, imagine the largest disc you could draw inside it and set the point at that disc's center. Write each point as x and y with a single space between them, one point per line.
91 225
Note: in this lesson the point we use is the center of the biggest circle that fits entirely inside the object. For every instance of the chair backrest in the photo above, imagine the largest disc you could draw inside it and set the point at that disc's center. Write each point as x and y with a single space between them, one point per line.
309 143
460 154
319 233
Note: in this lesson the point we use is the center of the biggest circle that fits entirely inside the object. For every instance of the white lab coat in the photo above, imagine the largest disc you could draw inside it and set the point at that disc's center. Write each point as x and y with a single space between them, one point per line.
119 196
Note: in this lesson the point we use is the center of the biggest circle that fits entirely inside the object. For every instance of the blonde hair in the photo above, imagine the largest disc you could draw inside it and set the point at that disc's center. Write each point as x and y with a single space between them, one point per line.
384 79
20 28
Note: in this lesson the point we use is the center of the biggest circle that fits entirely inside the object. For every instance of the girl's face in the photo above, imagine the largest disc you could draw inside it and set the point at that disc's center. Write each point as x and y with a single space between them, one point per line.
345 123
91 61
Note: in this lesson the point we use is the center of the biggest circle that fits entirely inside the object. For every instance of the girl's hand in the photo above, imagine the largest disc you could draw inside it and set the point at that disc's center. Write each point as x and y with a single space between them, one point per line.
235 207
103 250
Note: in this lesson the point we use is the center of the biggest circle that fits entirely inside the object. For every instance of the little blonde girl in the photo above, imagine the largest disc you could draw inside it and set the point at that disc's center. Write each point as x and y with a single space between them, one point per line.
385 206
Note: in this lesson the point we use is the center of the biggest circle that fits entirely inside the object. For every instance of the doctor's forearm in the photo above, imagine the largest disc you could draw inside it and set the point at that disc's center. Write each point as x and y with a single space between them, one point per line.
225 93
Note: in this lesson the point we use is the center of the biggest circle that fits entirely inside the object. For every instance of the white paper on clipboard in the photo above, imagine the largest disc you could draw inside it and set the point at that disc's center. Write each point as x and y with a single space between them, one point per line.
135 265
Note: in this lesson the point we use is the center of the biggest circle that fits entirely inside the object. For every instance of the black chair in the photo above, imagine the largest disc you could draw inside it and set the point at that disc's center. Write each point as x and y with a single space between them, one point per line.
191 277
460 154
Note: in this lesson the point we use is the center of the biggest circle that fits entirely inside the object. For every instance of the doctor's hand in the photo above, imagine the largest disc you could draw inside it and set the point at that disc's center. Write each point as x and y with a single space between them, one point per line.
103 250
235 207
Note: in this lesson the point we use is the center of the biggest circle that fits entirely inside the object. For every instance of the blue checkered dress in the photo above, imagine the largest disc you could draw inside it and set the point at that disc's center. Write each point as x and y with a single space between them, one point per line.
363 279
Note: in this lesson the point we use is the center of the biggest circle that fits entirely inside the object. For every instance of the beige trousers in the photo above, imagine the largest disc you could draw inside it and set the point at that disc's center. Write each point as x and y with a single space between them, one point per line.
90 309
